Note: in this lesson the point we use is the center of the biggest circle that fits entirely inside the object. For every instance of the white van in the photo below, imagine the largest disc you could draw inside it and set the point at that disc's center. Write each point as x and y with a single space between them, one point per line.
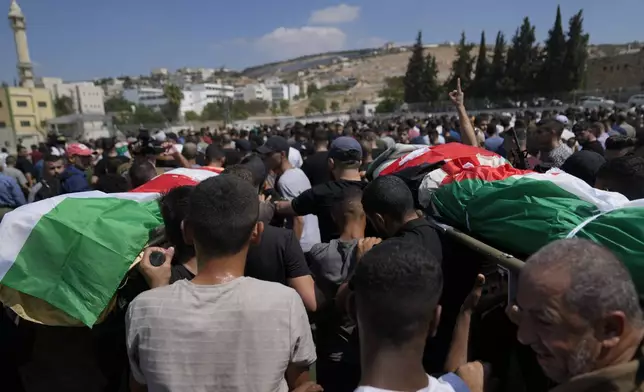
636 100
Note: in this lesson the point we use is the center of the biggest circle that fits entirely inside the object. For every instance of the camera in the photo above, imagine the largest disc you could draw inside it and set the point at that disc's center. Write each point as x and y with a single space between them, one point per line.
145 145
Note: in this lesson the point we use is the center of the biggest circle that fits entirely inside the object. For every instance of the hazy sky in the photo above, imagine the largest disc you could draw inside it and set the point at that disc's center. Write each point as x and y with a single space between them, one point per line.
81 39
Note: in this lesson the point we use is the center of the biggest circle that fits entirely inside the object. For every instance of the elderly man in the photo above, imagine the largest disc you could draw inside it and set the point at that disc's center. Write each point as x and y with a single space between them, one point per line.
577 308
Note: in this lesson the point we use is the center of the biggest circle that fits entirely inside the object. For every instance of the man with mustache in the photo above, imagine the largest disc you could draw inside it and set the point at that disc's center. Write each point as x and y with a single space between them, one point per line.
577 307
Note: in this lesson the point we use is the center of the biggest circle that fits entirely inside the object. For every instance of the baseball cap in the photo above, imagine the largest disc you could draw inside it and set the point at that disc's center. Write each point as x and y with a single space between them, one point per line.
243 145
562 119
345 149
274 144
78 149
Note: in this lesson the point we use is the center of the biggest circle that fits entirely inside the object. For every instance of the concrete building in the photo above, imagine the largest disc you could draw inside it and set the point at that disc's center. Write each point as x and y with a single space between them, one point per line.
624 71
148 96
86 97
285 92
114 88
253 92
203 94
159 72
24 110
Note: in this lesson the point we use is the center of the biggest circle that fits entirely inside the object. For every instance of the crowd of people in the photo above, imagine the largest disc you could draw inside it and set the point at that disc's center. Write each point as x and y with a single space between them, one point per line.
291 261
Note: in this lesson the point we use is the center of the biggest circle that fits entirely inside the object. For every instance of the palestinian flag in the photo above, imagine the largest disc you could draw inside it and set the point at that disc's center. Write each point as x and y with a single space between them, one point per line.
70 253
521 211
177 177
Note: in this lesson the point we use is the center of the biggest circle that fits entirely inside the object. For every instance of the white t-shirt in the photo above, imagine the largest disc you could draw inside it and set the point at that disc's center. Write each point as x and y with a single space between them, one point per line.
295 157
290 185
441 384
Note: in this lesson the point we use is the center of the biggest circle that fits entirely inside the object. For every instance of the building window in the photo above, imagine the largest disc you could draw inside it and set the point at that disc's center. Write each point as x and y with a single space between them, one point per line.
25 123
3 124
21 104
42 104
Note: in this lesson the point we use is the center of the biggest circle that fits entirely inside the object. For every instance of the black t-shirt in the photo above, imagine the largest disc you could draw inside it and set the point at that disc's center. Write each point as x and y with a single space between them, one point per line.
24 165
316 168
319 200
595 146
277 258
109 165
422 232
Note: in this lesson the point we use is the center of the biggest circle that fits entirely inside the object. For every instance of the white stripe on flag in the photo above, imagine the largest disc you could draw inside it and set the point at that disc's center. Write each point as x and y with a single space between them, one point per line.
196 174
603 200
17 225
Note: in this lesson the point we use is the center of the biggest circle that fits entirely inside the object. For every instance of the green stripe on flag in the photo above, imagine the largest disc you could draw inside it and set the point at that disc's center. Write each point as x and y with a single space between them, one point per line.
78 253
517 214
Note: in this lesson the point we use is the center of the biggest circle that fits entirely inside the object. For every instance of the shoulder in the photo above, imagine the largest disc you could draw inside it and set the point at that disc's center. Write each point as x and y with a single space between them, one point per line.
153 296
269 292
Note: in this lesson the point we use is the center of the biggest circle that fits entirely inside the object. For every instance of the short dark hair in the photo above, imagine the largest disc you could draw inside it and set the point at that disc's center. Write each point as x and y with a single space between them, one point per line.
240 171
619 142
321 135
223 212
11 160
624 175
397 285
552 126
174 207
350 204
112 183
388 195
53 158
214 153
141 172
256 165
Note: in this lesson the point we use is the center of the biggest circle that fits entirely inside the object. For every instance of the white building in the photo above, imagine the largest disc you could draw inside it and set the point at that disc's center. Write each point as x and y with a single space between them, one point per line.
195 97
148 96
253 92
203 94
114 88
159 72
284 92
86 97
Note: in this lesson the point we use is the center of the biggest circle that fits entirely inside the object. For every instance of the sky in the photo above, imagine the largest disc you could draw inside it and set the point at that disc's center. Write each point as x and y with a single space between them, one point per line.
85 39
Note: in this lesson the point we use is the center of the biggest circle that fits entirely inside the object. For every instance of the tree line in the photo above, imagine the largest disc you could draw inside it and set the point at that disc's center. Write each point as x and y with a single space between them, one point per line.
518 68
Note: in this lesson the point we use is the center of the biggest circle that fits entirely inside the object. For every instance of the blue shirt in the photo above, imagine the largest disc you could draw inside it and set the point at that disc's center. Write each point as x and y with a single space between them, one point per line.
494 144
455 135
10 193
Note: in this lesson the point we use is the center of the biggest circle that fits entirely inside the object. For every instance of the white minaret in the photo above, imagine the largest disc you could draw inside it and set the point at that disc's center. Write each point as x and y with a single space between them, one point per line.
25 68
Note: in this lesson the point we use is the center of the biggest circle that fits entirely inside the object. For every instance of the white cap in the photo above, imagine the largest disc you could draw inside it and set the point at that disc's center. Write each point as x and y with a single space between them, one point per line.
562 119
566 134
160 136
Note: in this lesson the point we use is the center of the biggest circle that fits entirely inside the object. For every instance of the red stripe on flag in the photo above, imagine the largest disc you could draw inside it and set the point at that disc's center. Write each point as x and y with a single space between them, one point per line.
164 183
485 173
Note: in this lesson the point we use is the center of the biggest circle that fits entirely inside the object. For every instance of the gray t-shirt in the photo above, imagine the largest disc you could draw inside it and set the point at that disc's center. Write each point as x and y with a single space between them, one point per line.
238 336
17 174
290 185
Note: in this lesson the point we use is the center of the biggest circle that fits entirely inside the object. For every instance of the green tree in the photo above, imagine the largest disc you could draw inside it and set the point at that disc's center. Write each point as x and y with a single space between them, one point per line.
392 94
144 115
481 83
118 104
284 106
317 104
312 89
522 64
431 88
462 66
335 106
415 76
174 95
576 53
63 106
127 82
192 116
255 106
275 109
552 76
499 82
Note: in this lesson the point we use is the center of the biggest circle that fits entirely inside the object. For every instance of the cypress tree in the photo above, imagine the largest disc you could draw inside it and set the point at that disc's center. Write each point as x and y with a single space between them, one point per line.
462 66
552 75
522 65
415 76
497 69
481 84
432 88
574 64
